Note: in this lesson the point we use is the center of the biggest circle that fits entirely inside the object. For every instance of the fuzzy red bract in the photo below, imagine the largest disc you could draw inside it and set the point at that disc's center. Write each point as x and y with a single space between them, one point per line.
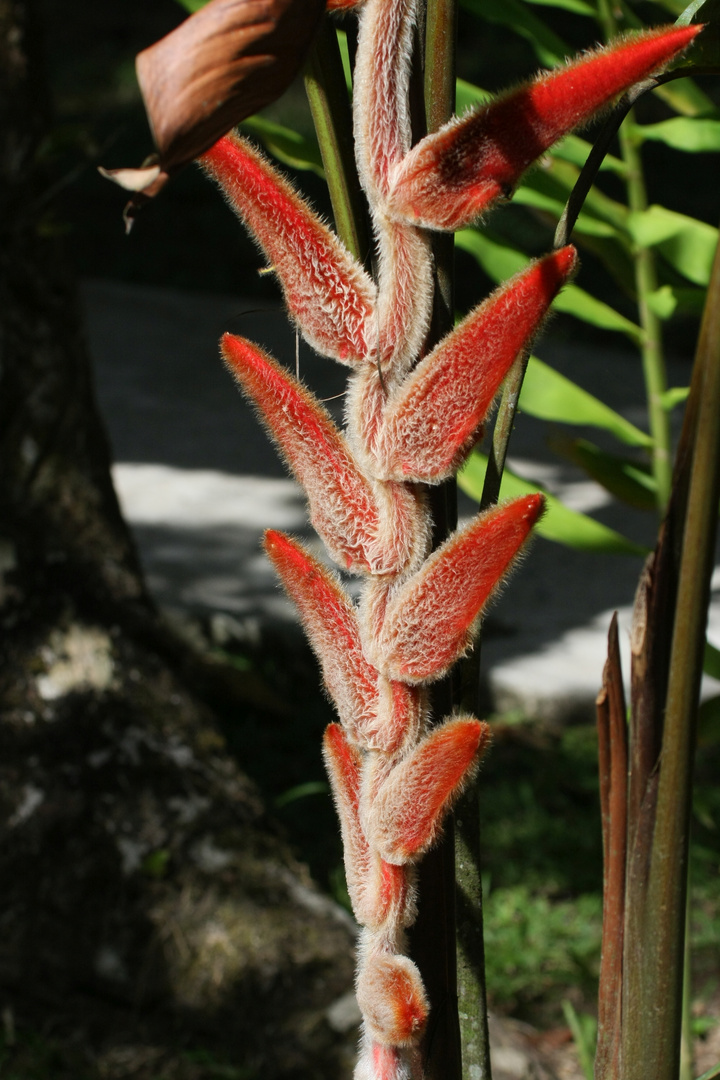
451 177
449 592
330 622
410 806
432 421
326 291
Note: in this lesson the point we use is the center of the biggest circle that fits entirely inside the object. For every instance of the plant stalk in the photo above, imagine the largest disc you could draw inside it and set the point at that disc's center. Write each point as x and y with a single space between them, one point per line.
667 884
332 116
651 345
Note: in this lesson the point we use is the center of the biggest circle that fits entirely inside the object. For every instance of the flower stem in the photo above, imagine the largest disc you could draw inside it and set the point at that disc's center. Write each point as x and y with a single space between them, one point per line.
651 346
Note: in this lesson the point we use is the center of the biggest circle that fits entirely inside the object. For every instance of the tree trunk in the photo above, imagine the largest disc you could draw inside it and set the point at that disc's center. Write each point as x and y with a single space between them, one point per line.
60 522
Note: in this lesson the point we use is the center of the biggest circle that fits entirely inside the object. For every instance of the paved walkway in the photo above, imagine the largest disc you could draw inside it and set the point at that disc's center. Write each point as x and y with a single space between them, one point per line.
199 482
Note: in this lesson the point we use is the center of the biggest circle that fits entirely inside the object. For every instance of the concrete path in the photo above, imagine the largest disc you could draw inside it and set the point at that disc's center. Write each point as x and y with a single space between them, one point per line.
199 481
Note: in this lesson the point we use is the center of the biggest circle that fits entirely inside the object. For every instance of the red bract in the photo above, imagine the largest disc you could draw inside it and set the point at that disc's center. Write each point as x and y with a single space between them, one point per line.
330 622
344 508
326 291
391 996
343 762
432 421
451 177
410 806
449 592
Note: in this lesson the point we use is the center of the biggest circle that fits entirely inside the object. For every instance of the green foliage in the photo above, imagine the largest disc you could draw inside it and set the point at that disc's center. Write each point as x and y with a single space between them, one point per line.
584 1032
620 231
535 946
559 522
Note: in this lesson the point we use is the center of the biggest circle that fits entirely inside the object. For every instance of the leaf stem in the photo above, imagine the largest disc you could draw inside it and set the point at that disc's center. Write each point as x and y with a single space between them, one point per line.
651 346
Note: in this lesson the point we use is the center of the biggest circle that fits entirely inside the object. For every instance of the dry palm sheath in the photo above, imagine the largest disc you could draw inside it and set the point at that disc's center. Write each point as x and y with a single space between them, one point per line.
411 420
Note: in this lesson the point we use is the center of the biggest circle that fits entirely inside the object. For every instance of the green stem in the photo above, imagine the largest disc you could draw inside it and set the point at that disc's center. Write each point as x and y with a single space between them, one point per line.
330 107
657 1040
651 346
439 81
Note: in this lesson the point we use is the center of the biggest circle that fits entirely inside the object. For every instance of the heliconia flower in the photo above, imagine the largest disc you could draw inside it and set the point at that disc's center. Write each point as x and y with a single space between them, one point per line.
410 807
327 292
343 506
343 762
449 592
330 622
392 998
455 174
432 420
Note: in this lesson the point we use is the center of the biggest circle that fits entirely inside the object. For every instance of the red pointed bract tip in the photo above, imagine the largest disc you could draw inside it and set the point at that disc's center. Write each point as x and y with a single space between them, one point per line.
433 421
330 622
452 176
342 508
326 291
392 999
428 623
409 809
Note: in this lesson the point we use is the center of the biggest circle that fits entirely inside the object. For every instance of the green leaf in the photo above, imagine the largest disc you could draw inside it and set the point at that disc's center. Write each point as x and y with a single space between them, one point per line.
622 477
688 14
467 96
498 260
584 1033
687 244
345 57
711 660
589 226
575 301
192 5
301 791
550 49
575 150
674 396
286 145
694 135
668 301
685 97
549 395
557 179
558 523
